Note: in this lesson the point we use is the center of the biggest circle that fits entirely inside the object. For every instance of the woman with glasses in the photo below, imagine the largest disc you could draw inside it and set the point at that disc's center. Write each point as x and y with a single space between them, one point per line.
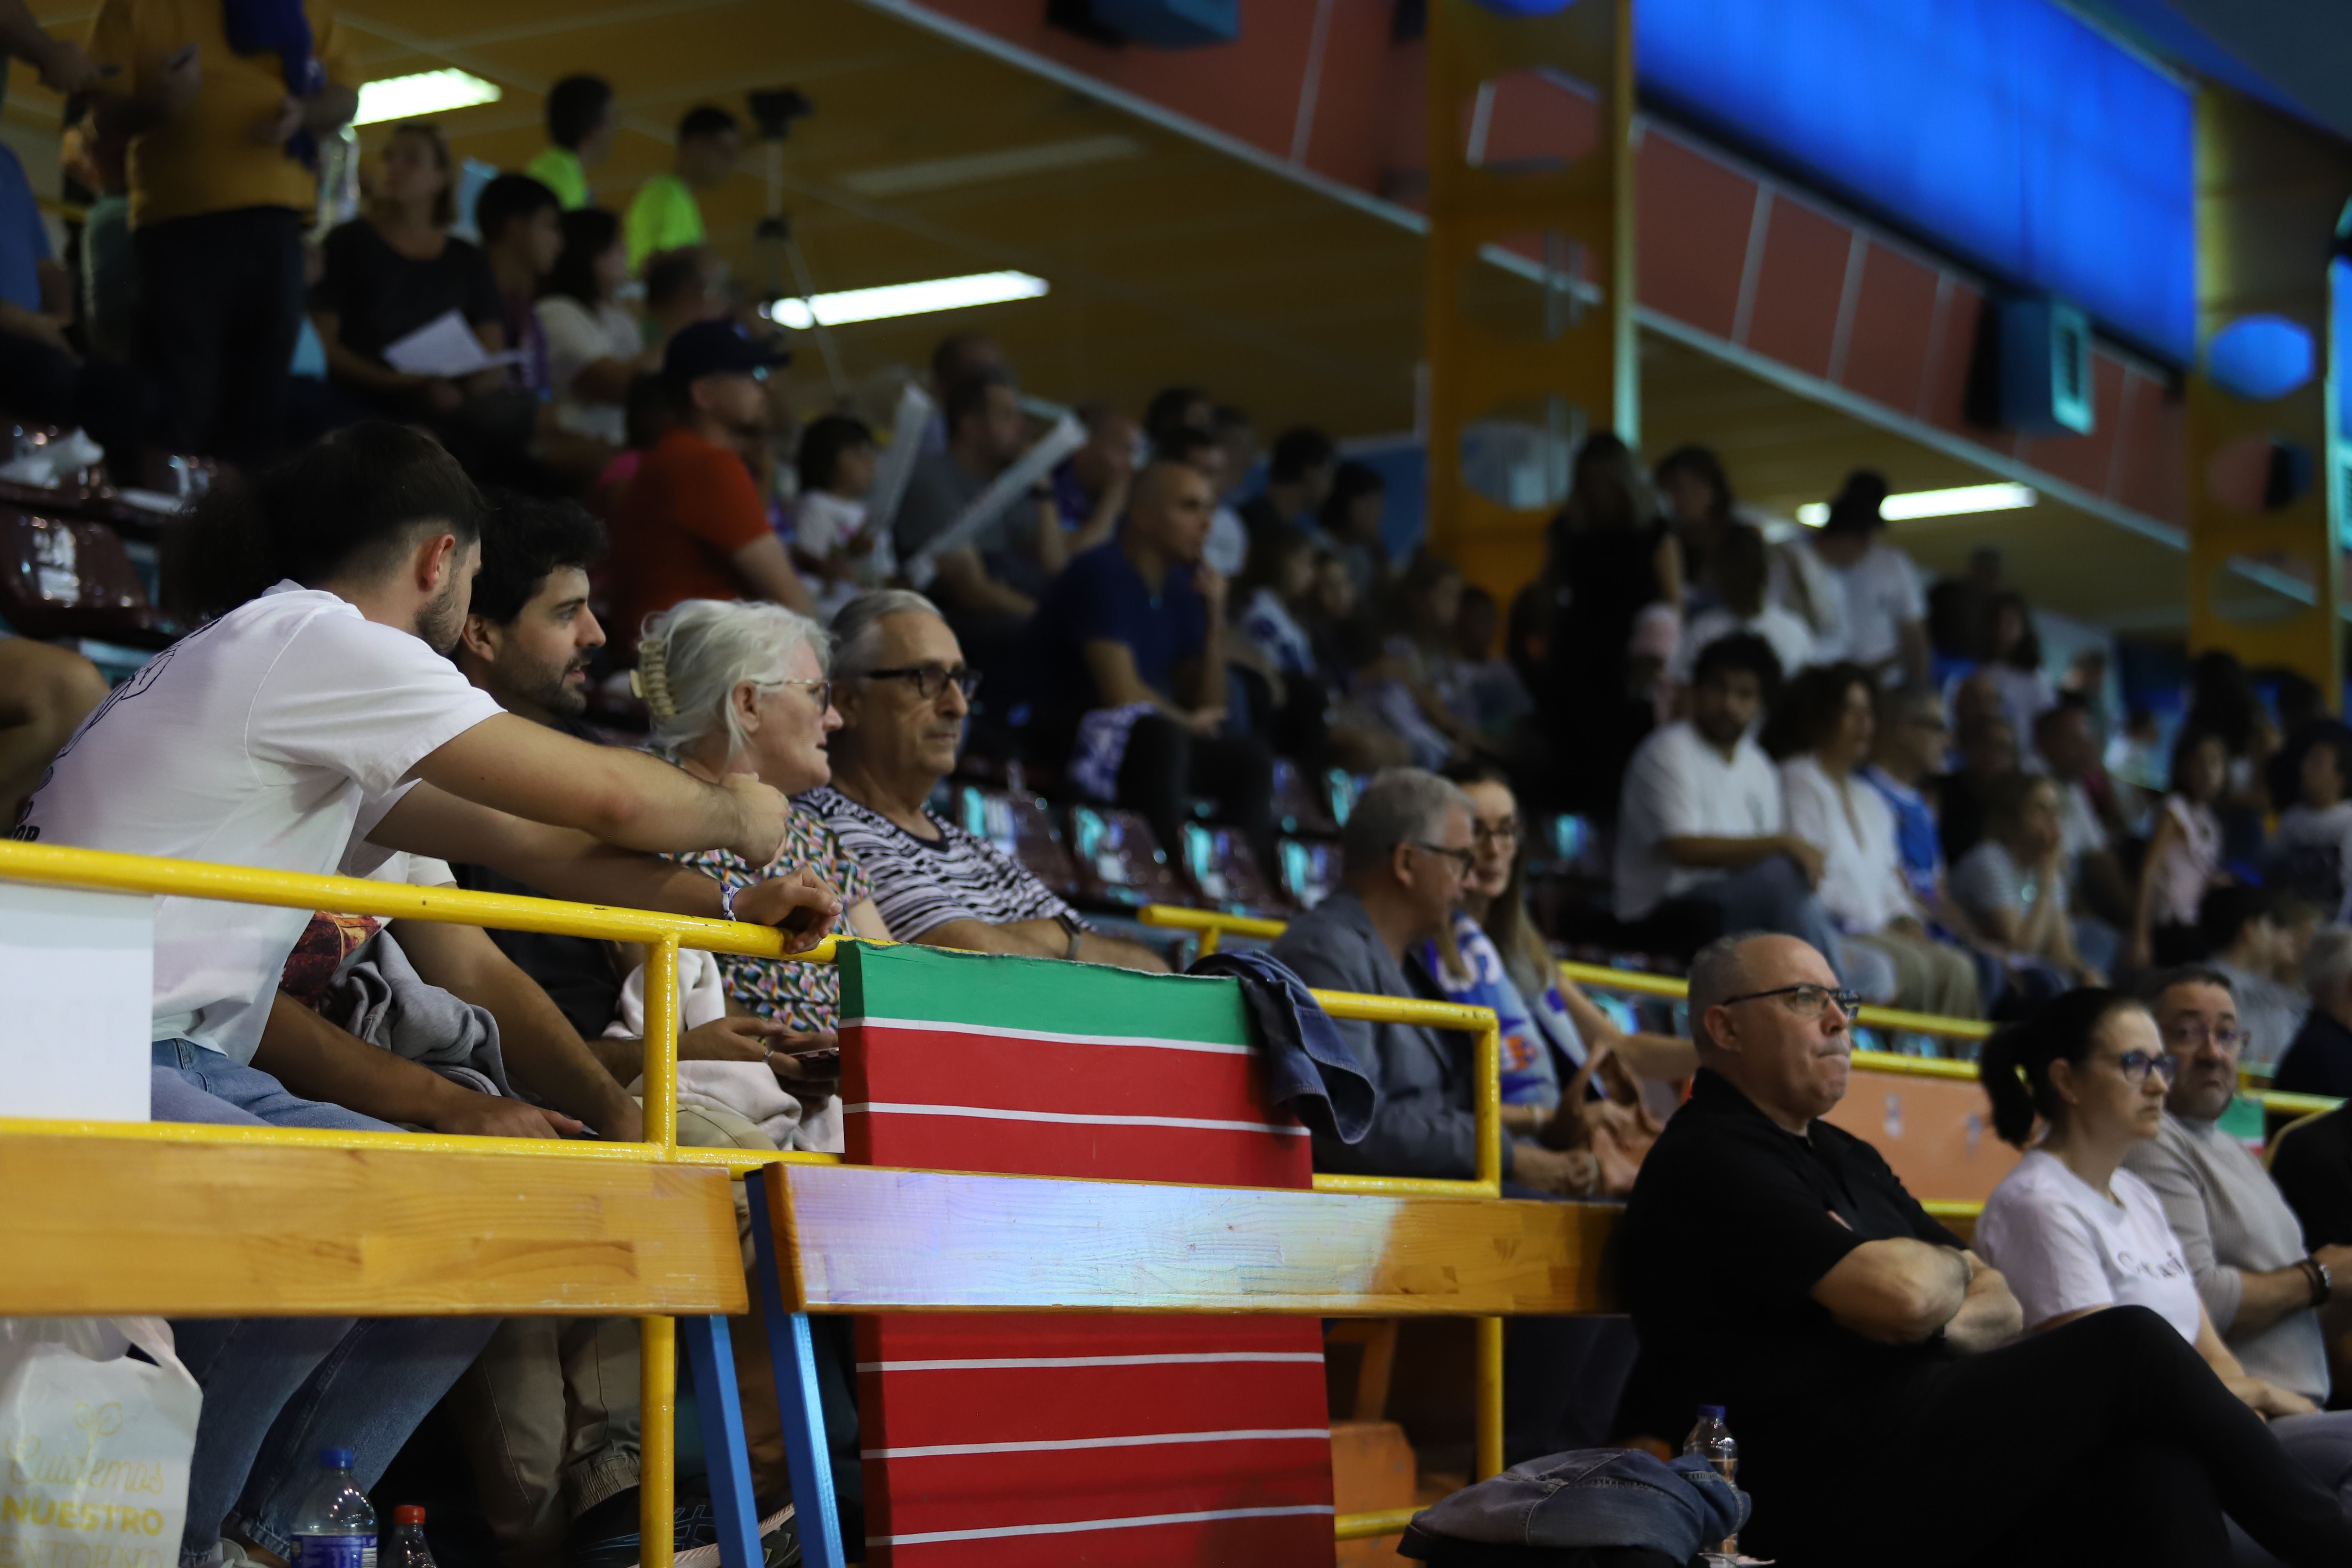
740 688
2074 1233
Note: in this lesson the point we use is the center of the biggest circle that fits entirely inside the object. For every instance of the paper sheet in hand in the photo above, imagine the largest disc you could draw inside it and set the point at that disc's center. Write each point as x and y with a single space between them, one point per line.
443 346
78 971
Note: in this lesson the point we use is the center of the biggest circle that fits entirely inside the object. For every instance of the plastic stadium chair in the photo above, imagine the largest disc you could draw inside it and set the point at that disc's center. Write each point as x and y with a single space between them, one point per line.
1295 809
66 577
1120 861
1222 868
1018 824
1310 870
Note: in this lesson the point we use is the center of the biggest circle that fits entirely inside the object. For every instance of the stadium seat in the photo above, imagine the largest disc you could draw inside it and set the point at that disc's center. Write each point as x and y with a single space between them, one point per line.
71 577
1295 808
1119 860
1310 870
1018 824
1225 873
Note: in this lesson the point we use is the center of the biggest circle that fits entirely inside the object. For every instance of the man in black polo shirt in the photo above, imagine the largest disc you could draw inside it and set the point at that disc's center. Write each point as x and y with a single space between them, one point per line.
1775 1265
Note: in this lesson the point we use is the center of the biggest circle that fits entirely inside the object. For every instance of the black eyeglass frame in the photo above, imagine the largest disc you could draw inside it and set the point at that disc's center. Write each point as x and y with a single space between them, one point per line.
931 679
1849 1002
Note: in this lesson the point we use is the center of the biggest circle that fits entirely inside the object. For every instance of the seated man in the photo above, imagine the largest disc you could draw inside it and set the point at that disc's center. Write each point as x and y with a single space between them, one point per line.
310 715
1133 636
2248 939
1407 844
2240 1239
903 690
2319 1062
1701 820
989 583
1775 1265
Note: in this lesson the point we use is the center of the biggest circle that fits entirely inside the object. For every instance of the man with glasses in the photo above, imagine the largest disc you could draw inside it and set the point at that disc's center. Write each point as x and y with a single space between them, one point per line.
2242 1241
1408 849
690 524
903 690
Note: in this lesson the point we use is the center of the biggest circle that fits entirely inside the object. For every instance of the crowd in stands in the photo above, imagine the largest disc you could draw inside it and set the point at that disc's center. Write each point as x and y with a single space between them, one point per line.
577 605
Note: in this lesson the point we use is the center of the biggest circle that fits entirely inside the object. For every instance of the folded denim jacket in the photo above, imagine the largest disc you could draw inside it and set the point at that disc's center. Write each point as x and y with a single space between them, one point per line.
1586 1498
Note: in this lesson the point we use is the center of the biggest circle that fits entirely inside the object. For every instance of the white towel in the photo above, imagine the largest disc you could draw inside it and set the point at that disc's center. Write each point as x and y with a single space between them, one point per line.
749 1089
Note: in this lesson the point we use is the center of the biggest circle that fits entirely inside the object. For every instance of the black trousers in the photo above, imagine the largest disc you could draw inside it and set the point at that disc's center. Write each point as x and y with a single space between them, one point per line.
2108 1440
1165 763
118 405
220 304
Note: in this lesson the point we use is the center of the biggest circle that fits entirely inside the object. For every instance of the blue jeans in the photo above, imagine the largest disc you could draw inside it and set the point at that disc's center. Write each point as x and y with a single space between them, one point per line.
1772 895
278 1390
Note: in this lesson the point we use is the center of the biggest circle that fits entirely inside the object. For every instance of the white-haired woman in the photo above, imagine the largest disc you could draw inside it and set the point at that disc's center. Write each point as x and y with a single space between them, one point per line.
741 688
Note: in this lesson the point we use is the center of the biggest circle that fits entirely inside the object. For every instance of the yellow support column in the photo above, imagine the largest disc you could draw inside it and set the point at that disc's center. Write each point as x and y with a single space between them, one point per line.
1561 357
2269 193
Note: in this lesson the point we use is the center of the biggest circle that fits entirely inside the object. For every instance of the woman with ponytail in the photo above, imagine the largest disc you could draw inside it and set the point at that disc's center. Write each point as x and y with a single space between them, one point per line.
2074 1233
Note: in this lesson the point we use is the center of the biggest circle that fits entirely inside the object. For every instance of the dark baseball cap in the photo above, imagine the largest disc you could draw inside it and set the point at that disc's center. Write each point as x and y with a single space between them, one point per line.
717 348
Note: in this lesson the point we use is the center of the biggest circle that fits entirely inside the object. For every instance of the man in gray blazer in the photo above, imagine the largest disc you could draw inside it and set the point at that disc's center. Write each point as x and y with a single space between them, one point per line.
1407 849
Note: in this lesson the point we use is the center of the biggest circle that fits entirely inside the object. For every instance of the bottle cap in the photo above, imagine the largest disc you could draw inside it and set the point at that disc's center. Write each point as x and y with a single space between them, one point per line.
335 1458
1710 1412
408 1513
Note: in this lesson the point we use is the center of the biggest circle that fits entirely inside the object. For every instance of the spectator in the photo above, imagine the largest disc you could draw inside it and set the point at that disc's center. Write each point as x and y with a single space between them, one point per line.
2319 1059
2068 751
107 296
2012 887
2184 858
1736 581
1236 433
49 691
1349 525
1906 750
581 119
2074 1234
1862 886
1487 691
1702 815
1134 633
1279 593
1408 848
2313 850
222 135
2239 932
1885 630
1607 557
1227 548
306 725
65 67
839 553
1090 486
1696 494
522 234
1960 609
397 269
1298 481
1412 687
595 347
1866 1328
741 688
682 287
665 215
2259 1284
904 691
955 359
2012 663
1988 755
989 581
690 523
2222 701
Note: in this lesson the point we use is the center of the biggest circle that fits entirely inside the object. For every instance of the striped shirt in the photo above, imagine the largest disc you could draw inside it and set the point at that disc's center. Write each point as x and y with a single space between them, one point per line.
918 885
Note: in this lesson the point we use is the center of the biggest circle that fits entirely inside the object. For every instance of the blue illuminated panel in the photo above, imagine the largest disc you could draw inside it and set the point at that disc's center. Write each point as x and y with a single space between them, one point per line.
2006 129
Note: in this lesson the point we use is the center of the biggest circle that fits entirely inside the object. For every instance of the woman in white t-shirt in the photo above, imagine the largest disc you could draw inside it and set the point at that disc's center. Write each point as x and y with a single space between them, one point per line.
1737 575
2073 1233
593 344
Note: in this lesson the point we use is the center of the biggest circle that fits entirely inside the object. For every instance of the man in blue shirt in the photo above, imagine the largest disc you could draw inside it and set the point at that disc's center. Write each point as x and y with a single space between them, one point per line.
1134 638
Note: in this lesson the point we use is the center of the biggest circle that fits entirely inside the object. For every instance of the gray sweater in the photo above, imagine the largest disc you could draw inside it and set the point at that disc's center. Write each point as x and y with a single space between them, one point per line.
2231 1221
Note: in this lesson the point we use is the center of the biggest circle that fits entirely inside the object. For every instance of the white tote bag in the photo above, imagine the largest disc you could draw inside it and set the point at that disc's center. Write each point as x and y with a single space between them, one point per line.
96 1443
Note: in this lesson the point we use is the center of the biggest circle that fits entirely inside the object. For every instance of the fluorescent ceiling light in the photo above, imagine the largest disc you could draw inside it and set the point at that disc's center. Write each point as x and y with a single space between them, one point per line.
908 299
941 173
1953 502
426 93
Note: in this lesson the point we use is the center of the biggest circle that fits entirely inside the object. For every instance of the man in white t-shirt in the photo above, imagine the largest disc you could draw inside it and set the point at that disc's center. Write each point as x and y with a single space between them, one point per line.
314 727
1700 816
1885 610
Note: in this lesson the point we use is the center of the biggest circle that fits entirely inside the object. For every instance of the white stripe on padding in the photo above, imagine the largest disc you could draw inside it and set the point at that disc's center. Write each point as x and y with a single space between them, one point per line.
1151 1441
988 1113
1009 1362
1148 1042
1138 1522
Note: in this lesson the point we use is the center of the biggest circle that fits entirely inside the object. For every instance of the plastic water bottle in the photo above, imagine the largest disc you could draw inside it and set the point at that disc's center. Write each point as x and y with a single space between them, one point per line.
335 1526
1713 1441
405 1547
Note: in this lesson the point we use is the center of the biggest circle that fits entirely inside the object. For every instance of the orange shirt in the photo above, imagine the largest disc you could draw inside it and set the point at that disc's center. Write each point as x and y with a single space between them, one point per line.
691 506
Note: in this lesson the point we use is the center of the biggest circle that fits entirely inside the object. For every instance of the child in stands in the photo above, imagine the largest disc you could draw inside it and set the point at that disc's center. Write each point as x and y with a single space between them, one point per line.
2184 858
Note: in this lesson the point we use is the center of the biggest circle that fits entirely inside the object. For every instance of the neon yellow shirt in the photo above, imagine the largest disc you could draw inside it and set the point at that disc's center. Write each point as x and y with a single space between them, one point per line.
558 168
665 216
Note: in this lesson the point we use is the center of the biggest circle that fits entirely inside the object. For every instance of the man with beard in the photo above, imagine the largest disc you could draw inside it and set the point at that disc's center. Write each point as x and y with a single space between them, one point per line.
315 725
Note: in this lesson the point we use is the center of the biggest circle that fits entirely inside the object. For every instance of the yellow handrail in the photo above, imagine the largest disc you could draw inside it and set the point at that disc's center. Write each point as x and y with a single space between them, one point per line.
663 936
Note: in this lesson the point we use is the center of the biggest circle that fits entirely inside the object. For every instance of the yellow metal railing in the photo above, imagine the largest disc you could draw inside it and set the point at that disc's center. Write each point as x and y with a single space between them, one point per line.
1212 925
662 935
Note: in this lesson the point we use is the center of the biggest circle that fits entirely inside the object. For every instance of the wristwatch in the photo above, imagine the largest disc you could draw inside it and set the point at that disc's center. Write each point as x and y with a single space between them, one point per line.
1069 924
2323 1283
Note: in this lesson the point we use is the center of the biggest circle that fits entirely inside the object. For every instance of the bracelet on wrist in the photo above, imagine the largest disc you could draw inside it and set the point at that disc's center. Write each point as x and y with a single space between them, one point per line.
2323 1282
727 891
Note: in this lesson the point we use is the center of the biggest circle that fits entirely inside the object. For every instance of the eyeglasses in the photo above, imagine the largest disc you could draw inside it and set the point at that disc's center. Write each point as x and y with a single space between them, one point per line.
930 680
2198 1034
820 689
1506 831
2137 1064
1465 861
1805 1001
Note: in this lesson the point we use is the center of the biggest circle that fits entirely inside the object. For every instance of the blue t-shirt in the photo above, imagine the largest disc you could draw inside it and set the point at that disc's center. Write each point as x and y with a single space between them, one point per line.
1530 1074
24 241
1916 838
1101 597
